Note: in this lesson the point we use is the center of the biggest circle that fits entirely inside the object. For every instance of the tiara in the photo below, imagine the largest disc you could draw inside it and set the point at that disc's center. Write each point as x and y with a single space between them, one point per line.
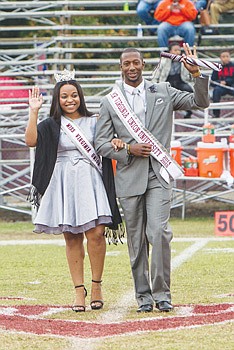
66 75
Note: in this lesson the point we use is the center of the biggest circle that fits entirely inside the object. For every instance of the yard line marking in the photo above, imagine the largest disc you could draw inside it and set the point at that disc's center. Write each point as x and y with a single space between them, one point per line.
219 250
188 253
61 242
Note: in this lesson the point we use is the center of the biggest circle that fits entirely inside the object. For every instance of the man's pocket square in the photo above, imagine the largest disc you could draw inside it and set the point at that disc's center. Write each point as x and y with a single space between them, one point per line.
159 101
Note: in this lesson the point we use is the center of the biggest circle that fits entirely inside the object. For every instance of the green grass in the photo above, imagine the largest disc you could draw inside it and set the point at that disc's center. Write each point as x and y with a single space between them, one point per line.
207 337
190 227
26 342
193 227
205 278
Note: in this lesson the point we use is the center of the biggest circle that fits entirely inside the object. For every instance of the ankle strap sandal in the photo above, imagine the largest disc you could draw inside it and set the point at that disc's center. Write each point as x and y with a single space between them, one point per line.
80 308
98 303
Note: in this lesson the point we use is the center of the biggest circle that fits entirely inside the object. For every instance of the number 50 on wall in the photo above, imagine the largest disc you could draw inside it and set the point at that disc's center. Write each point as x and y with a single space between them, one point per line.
224 223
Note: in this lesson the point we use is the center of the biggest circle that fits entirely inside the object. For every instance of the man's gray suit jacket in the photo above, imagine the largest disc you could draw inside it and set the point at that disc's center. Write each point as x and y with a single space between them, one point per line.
161 99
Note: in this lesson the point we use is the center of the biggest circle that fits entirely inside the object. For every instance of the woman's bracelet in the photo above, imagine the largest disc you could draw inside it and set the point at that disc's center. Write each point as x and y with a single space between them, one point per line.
196 74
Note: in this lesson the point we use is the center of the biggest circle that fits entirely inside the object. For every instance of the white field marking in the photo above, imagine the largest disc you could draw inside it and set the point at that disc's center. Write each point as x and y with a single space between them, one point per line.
50 312
114 253
34 282
16 298
219 250
61 242
119 310
10 311
228 295
185 310
187 253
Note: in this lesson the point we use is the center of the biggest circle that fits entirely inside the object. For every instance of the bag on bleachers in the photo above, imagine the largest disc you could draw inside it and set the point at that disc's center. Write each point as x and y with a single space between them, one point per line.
205 20
205 17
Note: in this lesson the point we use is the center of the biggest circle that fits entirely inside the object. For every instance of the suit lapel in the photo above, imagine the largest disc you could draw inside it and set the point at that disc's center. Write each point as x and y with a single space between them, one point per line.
120 86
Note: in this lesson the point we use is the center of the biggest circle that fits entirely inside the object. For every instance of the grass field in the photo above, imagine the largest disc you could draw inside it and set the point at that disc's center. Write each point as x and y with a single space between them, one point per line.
36 294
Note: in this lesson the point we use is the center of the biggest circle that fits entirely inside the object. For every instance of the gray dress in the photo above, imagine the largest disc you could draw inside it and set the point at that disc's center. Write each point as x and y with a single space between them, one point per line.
75 199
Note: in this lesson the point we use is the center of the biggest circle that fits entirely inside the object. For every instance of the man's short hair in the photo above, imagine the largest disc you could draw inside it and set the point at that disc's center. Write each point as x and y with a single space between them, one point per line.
131 49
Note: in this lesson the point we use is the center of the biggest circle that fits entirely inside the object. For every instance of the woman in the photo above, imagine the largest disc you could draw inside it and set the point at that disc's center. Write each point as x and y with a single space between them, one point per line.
68 184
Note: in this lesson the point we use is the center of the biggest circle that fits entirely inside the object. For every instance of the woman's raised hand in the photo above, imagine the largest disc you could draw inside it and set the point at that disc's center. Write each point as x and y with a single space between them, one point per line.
35 98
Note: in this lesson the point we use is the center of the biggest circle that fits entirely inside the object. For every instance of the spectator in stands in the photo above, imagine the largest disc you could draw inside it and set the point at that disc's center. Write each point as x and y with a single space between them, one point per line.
202 7
176 17
145 10
220 6
174 72
200 4
223 81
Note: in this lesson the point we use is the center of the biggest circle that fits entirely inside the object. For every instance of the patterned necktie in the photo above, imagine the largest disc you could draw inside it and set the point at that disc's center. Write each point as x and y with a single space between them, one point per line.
138 105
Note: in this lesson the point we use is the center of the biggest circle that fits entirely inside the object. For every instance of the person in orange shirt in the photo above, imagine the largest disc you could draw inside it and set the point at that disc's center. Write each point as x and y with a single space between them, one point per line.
176 17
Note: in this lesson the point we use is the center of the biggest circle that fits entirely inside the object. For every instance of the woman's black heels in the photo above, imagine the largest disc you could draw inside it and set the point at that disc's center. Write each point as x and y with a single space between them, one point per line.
80 308
96 304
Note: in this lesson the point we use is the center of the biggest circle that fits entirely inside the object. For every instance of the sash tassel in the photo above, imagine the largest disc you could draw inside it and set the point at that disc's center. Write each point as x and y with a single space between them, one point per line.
115 236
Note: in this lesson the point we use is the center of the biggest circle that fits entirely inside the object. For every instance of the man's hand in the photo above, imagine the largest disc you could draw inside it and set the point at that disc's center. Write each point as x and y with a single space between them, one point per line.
140 149
188 53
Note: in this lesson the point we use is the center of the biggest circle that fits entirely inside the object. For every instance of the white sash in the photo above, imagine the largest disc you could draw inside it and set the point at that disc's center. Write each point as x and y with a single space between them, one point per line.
77 136
141 134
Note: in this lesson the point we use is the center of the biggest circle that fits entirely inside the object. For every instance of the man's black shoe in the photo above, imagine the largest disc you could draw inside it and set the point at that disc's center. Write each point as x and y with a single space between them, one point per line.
164 306
145 308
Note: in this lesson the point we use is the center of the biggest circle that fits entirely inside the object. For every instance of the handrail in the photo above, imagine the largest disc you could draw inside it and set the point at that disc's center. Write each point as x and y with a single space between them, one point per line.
95 27
61 50
100 38
93 3
66 13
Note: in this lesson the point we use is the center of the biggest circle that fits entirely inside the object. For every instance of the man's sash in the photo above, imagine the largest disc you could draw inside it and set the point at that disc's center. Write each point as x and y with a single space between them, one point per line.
77 136
141 134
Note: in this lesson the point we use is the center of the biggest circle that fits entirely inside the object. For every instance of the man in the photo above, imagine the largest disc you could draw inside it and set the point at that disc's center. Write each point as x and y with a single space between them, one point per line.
218 7
144 8
143 189
176 17
173 72
223 81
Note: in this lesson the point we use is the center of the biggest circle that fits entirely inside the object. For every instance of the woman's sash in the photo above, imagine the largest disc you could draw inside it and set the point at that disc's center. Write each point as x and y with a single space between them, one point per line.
141 134
79 139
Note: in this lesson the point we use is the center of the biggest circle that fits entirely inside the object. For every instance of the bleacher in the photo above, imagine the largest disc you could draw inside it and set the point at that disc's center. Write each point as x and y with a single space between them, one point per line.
41 37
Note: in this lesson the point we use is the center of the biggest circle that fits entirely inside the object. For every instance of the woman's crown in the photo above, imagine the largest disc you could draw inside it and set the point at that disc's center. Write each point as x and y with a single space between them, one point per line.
66 75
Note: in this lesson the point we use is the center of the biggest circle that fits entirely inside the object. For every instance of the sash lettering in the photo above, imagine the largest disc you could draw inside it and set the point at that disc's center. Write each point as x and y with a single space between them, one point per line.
141 134
77 136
